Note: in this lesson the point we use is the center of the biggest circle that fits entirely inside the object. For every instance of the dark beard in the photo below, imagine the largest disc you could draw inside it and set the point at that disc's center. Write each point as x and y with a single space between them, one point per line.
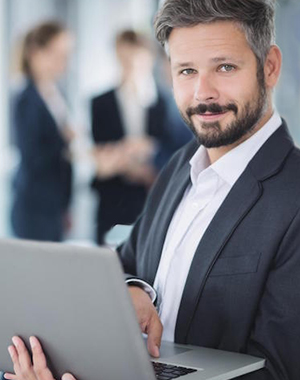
249 116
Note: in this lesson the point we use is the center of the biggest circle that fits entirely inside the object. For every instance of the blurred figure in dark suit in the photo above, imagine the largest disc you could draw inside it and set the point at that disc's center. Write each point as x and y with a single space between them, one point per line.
42 184
131 135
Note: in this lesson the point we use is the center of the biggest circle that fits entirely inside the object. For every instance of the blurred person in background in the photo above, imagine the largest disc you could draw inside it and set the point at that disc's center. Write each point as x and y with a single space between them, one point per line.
131 135
42 183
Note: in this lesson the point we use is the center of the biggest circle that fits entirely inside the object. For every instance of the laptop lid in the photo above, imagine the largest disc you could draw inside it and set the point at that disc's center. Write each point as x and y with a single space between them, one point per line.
75 300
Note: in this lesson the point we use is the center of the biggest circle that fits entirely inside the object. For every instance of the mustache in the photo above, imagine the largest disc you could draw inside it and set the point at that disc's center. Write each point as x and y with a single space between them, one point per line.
212 108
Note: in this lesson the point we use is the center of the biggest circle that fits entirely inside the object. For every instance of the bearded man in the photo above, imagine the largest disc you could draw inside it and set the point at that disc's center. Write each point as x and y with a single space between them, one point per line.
219 238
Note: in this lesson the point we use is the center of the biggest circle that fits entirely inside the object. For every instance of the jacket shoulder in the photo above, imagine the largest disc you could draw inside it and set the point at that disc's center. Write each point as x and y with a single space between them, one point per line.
183 155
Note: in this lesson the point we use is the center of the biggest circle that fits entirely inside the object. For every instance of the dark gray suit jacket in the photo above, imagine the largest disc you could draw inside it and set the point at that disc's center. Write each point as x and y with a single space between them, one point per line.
242 292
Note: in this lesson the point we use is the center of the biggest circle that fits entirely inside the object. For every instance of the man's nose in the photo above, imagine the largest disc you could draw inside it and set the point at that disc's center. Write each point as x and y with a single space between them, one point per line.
205 89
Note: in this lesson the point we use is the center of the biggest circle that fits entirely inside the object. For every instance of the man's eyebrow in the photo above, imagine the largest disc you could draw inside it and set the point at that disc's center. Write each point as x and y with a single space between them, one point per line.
226 59
180 65
221 59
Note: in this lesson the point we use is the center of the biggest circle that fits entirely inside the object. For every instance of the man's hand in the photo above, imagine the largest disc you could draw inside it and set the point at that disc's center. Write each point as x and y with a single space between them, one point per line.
24 368
148 319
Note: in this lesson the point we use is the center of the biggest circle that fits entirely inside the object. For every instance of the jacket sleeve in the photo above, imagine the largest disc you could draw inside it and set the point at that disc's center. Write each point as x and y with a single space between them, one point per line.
127 252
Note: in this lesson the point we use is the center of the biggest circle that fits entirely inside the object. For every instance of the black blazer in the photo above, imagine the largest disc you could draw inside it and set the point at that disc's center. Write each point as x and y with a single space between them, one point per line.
120 199
242 292
43 179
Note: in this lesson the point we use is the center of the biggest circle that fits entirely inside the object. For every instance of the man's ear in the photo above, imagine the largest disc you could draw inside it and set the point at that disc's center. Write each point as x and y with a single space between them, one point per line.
272 66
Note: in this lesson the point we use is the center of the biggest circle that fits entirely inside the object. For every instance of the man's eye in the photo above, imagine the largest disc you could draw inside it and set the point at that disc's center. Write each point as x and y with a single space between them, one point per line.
187 71
226 68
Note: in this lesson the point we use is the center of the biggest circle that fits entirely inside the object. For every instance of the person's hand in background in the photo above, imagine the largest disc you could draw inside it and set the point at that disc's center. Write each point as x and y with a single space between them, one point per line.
139 149
109 160
139 152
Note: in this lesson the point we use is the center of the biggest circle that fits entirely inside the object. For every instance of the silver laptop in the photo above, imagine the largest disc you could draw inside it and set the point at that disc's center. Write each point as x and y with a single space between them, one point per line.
75 301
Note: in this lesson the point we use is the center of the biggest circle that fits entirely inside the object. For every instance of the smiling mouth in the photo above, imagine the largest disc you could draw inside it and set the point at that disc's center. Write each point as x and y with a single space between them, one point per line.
211 115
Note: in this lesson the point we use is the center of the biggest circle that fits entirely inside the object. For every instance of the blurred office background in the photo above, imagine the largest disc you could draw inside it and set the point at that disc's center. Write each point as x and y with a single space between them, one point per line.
93 69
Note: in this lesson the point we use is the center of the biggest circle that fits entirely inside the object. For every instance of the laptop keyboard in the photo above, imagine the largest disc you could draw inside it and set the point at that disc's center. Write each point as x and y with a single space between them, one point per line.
167 371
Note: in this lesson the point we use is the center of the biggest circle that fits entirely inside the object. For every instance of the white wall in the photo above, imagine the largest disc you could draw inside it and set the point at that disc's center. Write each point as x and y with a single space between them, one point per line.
3 80
26 13
97 25
4 151
288 89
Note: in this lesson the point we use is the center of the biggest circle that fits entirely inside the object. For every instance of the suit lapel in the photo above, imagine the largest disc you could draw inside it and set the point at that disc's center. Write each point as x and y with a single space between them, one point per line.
47 115
242 197
239 201
118 127
42 103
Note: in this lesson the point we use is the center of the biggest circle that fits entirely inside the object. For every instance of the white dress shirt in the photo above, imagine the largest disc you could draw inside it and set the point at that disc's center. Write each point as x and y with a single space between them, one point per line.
210 184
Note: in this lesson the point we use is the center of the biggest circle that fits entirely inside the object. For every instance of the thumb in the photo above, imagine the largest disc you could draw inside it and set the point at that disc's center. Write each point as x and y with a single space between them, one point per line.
154 332
68 376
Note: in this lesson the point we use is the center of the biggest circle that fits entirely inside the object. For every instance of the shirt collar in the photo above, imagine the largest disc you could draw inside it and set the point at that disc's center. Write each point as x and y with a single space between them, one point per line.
230 166
199 162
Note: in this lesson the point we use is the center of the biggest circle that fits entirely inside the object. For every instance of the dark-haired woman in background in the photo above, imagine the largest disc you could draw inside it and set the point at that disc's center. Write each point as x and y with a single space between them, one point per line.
42 184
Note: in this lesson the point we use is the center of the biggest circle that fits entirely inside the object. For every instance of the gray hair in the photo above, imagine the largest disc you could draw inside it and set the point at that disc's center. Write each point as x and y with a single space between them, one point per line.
254 17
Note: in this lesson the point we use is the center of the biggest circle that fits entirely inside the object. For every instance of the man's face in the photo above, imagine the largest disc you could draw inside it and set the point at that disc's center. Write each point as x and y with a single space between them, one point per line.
215 82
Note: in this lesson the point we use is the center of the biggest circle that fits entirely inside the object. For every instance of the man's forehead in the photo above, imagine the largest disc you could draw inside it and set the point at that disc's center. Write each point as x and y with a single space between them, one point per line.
216 40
